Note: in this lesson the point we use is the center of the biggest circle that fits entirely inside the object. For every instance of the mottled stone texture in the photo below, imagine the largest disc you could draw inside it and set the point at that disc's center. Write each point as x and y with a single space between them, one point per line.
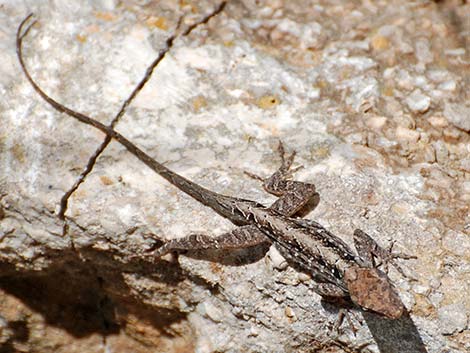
373 96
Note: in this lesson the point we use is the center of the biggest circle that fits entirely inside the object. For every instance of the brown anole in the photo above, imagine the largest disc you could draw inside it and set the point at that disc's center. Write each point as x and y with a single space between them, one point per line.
338 272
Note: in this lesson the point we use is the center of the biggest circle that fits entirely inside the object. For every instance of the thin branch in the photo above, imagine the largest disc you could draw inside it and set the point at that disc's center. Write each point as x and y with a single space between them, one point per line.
21 34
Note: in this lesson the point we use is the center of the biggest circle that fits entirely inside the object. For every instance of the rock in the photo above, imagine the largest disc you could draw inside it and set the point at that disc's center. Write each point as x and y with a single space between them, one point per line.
465 164
442 153
376 122
409 135
215 106
458 114
423 51
418 102
453 318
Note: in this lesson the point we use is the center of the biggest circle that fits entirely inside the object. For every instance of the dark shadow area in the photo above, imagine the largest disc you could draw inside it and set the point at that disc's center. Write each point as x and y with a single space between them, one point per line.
395 336
20 334
83 298
69 296
391 336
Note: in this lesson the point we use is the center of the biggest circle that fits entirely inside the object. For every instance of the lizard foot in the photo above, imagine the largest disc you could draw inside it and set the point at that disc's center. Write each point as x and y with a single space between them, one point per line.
279 182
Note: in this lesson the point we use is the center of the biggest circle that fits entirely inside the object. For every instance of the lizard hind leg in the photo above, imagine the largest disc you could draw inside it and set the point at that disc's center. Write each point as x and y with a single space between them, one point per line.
348 315
238 238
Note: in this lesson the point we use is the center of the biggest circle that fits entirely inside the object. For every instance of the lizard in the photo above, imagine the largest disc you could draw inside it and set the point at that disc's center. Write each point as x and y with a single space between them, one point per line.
339 274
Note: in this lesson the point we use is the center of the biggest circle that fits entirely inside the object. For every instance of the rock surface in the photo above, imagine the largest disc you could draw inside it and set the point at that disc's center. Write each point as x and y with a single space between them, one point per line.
371 95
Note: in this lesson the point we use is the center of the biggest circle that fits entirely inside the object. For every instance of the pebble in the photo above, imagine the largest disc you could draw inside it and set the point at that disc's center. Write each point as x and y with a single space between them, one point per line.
435 298
405 134
109 5
210 311
438 76
421 289
423 51
452 133
458 115
418 102
455 52
268 102
448 86
376 122
438 122
254 331
465 165
379 42
404 79
278 262
453 318
441 151
466 187
429 155
405 121
303 277
456 243
289 312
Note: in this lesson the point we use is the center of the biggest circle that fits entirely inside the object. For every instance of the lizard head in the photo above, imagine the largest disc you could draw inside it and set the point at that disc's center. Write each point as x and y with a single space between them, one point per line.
371 289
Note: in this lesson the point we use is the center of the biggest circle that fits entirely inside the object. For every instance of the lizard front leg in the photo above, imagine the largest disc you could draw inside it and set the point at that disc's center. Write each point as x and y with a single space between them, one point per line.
374 255
293 195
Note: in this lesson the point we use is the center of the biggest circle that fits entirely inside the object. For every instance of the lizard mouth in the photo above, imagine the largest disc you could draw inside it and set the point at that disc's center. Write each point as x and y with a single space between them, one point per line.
371 289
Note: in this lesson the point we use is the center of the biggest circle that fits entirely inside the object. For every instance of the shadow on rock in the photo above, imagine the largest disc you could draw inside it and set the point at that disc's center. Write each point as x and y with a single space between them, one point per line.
91 296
